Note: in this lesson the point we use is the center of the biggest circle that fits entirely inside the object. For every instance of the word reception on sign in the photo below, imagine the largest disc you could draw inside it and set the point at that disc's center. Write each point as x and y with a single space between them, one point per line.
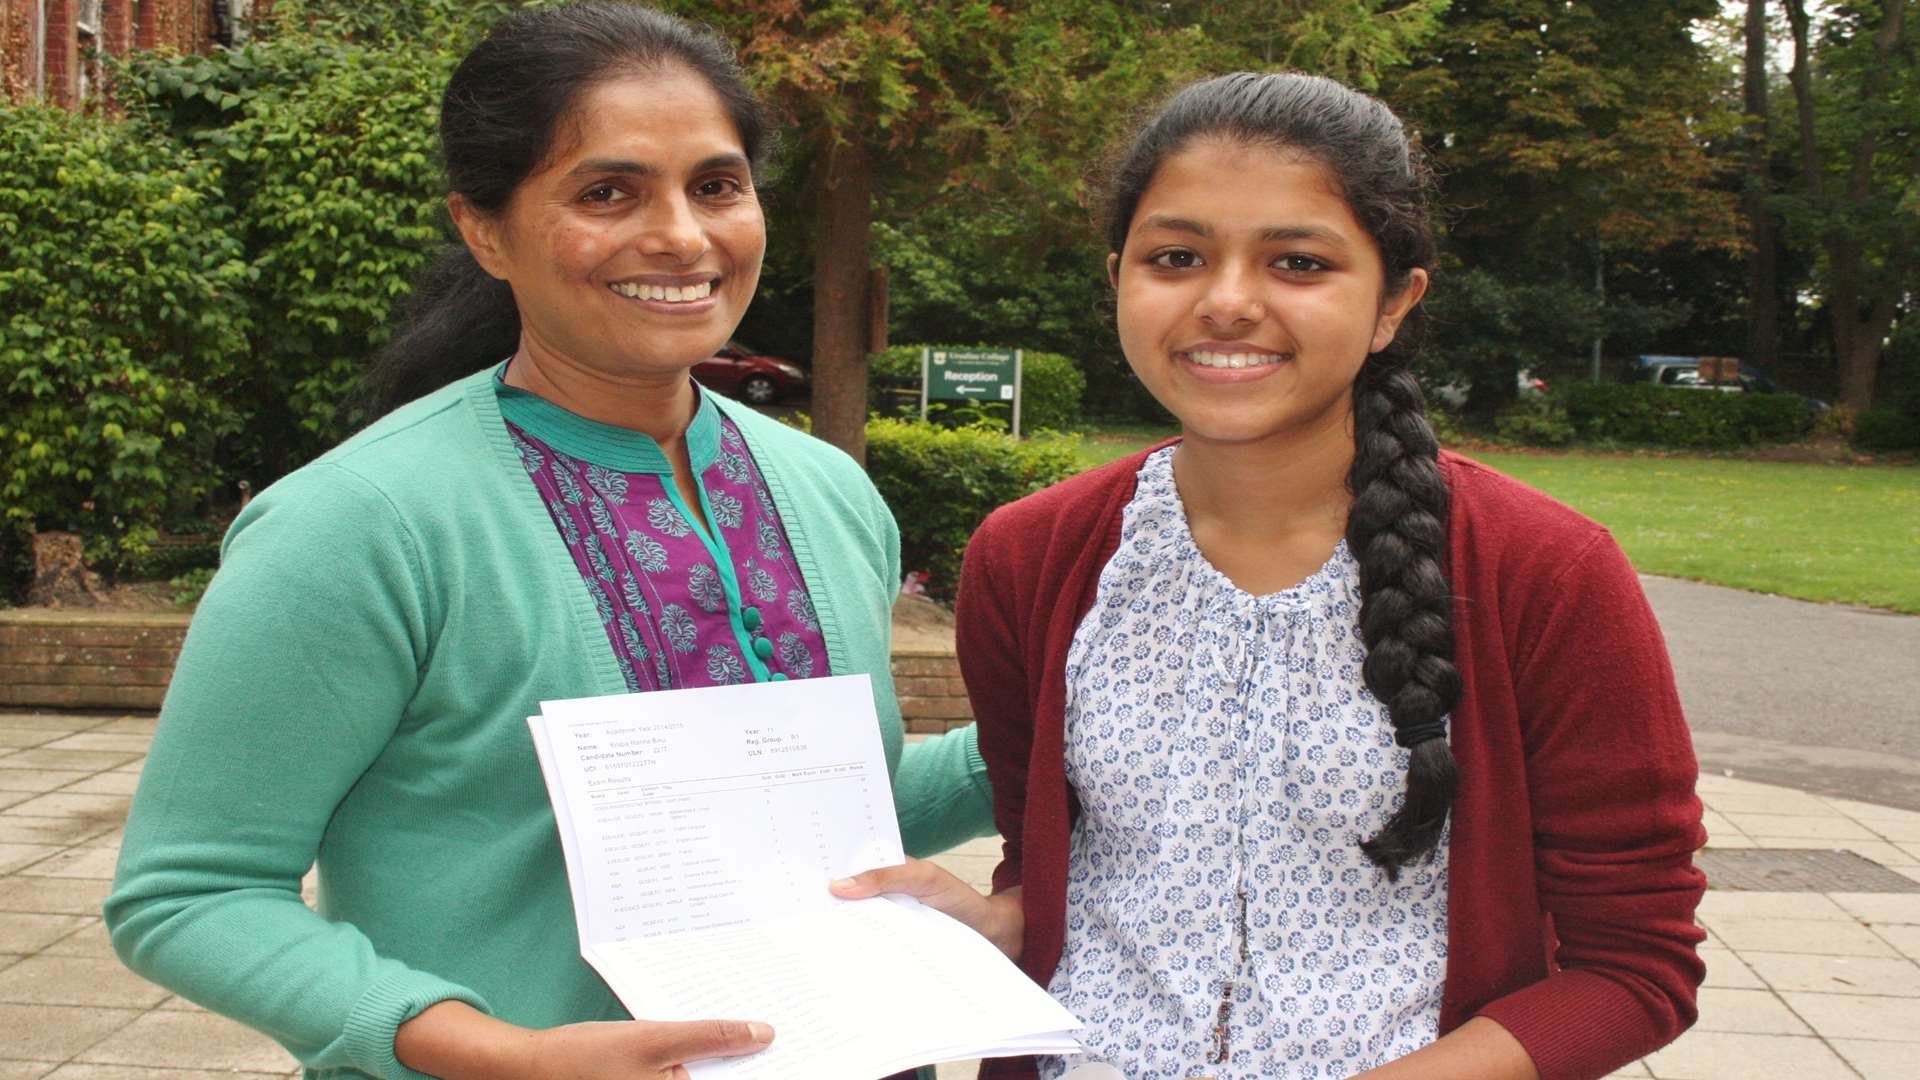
971 375
700 828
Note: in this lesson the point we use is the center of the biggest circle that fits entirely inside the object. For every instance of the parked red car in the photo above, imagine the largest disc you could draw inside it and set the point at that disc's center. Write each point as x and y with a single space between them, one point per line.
753 377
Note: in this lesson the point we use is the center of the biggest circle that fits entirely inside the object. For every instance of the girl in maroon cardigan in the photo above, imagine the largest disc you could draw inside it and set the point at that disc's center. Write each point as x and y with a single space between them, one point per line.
1200 673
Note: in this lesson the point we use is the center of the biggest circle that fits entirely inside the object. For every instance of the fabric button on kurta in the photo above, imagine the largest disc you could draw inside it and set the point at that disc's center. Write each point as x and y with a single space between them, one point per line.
763 648
751 618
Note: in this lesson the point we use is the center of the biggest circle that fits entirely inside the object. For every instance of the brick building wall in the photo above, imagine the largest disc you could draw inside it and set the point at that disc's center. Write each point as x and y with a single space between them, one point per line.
48 51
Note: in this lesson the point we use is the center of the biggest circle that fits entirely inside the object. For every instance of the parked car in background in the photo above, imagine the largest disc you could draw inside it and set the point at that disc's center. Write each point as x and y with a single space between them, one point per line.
750 375
1683 372
1453 395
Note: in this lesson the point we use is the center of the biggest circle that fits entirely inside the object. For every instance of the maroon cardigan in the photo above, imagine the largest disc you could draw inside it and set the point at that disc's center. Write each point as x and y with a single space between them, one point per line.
1571 884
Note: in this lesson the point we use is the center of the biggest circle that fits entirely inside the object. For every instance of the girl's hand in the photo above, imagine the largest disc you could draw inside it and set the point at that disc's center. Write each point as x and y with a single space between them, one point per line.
998 918
452 1039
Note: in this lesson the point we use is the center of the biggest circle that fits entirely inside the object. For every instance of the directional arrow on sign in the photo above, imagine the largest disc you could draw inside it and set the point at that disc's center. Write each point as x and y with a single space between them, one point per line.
970 389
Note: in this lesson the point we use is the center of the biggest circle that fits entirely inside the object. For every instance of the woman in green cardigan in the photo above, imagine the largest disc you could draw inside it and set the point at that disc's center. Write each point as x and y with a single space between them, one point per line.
553 510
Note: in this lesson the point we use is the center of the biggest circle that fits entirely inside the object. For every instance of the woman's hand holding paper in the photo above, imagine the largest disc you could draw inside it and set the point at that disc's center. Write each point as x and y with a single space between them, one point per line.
998 918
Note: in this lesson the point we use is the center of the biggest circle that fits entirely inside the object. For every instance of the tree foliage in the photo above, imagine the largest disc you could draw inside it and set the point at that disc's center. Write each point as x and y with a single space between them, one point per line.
125 322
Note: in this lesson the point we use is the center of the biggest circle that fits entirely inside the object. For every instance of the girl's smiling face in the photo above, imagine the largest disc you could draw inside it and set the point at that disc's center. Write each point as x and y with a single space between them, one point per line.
1248 293
635 248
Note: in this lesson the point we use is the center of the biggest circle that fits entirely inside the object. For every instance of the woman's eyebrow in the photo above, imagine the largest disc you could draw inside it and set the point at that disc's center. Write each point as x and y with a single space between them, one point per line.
629 167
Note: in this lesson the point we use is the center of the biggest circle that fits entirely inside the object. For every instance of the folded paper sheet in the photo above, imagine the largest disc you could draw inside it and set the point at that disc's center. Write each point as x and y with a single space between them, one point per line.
700 829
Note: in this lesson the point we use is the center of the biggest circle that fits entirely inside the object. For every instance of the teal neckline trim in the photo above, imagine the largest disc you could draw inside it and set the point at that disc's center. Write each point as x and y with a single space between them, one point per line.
606 445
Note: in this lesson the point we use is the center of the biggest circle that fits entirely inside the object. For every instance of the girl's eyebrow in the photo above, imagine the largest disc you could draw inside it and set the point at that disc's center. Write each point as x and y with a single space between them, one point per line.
1270 234
1282 233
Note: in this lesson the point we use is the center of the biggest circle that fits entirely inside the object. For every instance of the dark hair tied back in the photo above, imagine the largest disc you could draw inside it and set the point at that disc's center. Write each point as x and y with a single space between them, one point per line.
1396 527
499 120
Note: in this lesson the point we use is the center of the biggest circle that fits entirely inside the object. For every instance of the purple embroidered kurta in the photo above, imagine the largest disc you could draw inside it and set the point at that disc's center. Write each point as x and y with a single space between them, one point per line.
682 606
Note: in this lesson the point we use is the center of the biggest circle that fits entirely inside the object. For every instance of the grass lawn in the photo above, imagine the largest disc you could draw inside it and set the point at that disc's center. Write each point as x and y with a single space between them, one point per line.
1099 446
1816 532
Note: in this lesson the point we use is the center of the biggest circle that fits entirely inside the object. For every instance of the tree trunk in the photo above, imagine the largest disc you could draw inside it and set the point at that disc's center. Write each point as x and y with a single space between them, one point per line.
843 226
1861 319
1763 291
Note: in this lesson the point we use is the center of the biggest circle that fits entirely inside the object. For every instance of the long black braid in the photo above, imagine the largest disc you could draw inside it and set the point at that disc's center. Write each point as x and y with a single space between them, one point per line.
1396 527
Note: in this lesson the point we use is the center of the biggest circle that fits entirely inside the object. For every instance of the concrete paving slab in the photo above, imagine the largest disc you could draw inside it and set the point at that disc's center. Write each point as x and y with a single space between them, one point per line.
1877 1060
84 760
189 1040
15 739
1819 936
1878 908
1905 939
29 933
1879 975
27 829
57 1033
94 740
61 804
1859 1016
1718 1055
15 856
1770 905
1726 969
128 725
77 862
129 1073
108 783
39 781
1749 1012
74 980
89 941
52 896
26 1070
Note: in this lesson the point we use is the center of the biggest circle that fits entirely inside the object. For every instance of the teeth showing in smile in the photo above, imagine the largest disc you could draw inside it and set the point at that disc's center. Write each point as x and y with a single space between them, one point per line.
670 293
1236 360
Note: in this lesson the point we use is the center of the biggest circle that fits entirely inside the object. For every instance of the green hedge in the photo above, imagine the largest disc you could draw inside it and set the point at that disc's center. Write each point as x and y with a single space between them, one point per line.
125 325
1684 418
1050 386
1882 430
942 482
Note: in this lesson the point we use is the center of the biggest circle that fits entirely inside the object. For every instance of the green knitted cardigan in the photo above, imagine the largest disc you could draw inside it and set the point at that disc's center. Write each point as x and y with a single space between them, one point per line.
354 691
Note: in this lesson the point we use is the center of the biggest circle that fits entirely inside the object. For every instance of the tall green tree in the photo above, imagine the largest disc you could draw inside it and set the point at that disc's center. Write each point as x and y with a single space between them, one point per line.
1572 139
1856 93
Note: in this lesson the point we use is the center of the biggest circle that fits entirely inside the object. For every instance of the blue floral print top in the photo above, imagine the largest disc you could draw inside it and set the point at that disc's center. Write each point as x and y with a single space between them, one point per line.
1228 757
683 606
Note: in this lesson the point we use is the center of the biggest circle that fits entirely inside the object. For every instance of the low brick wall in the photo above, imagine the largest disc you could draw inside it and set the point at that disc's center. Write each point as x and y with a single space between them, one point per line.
87 660
932 699
83 660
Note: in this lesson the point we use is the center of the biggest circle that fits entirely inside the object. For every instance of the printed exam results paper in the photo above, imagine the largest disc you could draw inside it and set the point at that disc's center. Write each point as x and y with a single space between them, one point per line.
700 828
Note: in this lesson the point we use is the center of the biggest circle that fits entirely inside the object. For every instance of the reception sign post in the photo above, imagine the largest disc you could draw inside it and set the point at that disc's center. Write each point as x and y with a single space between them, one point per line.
971 375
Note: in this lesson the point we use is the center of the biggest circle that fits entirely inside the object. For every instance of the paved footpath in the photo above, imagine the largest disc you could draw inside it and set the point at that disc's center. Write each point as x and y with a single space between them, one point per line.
1802 985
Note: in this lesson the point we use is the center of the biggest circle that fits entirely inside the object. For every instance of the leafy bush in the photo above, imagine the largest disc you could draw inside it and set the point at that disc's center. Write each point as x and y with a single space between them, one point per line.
124 323
942 482
1050 388
1537 420
330 163
1684 419
1882 430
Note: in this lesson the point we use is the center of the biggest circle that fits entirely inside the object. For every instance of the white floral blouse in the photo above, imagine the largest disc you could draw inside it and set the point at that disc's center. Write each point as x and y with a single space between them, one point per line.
1228 758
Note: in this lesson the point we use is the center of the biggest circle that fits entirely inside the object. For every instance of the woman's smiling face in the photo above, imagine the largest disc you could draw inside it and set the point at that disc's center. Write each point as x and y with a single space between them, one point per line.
635 248
1249 295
